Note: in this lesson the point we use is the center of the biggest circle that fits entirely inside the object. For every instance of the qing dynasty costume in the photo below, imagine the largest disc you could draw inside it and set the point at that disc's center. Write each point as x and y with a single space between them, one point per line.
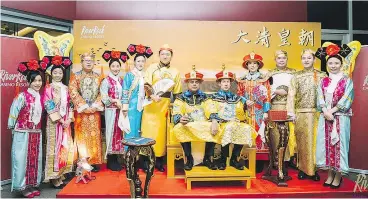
302 103
25 122
59 141
156 113
84 89
111 89
333 137
256 87
228 109
193 105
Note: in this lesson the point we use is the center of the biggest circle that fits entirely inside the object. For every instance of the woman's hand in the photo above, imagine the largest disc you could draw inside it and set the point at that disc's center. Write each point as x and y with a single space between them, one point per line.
125 113
249 103
328 115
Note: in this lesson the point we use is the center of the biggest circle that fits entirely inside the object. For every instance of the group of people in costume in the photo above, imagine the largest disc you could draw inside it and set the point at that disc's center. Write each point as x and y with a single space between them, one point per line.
319 106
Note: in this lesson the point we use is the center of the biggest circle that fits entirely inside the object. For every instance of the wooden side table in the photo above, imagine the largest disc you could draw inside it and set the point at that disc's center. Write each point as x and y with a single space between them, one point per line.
137 147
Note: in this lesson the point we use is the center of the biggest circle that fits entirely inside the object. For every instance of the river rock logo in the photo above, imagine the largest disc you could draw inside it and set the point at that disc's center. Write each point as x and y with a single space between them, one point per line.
94 32
365 83
12 79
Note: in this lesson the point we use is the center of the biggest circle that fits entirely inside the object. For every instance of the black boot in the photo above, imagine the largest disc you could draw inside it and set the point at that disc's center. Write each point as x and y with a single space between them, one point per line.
189 164
143 163
112 163
235 163
160 164
301 175
208 163
234 157
187 148
222 163
224 155
292 163
208 153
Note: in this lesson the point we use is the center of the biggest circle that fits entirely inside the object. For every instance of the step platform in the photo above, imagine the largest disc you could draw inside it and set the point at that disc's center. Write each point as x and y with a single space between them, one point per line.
202 173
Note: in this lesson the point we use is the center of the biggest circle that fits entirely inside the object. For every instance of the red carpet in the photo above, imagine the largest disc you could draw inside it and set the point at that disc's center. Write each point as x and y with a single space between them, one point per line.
115 185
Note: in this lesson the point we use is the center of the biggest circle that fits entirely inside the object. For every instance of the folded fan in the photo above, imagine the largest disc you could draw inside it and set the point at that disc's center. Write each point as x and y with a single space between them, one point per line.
159 88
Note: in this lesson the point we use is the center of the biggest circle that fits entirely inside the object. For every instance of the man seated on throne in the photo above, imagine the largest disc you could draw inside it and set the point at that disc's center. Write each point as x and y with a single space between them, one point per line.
191 124
227 113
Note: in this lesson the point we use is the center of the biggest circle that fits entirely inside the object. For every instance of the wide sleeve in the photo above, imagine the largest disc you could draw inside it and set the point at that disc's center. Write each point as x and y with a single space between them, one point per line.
211 109
267 102
78 101
320 97
178 110
148 76
239 110
346 101
98 102
177 87
241 90
104 90
128 79
17 105
290 105
71 109
49 103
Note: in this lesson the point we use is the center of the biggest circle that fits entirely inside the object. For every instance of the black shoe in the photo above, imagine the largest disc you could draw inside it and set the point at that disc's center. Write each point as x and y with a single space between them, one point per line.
316 177
113 164
160 168
302 175
291 163
189 164
95 168
222 163
236 164
145 166
159 164
328 184
209 164
336 186
58 187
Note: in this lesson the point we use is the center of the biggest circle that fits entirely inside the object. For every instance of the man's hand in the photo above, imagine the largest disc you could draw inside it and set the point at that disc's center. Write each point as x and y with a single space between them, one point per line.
281 92
93 109
249 103
292 117
184 120
89 110
67 123
214 127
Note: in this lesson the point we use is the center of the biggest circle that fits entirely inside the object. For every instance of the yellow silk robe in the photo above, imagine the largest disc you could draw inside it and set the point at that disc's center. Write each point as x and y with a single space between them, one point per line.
228 109
84 91
194 106
302 102
154 119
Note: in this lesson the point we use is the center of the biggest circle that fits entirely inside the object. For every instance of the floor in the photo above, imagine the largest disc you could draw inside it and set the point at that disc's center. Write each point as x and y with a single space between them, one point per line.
47 191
